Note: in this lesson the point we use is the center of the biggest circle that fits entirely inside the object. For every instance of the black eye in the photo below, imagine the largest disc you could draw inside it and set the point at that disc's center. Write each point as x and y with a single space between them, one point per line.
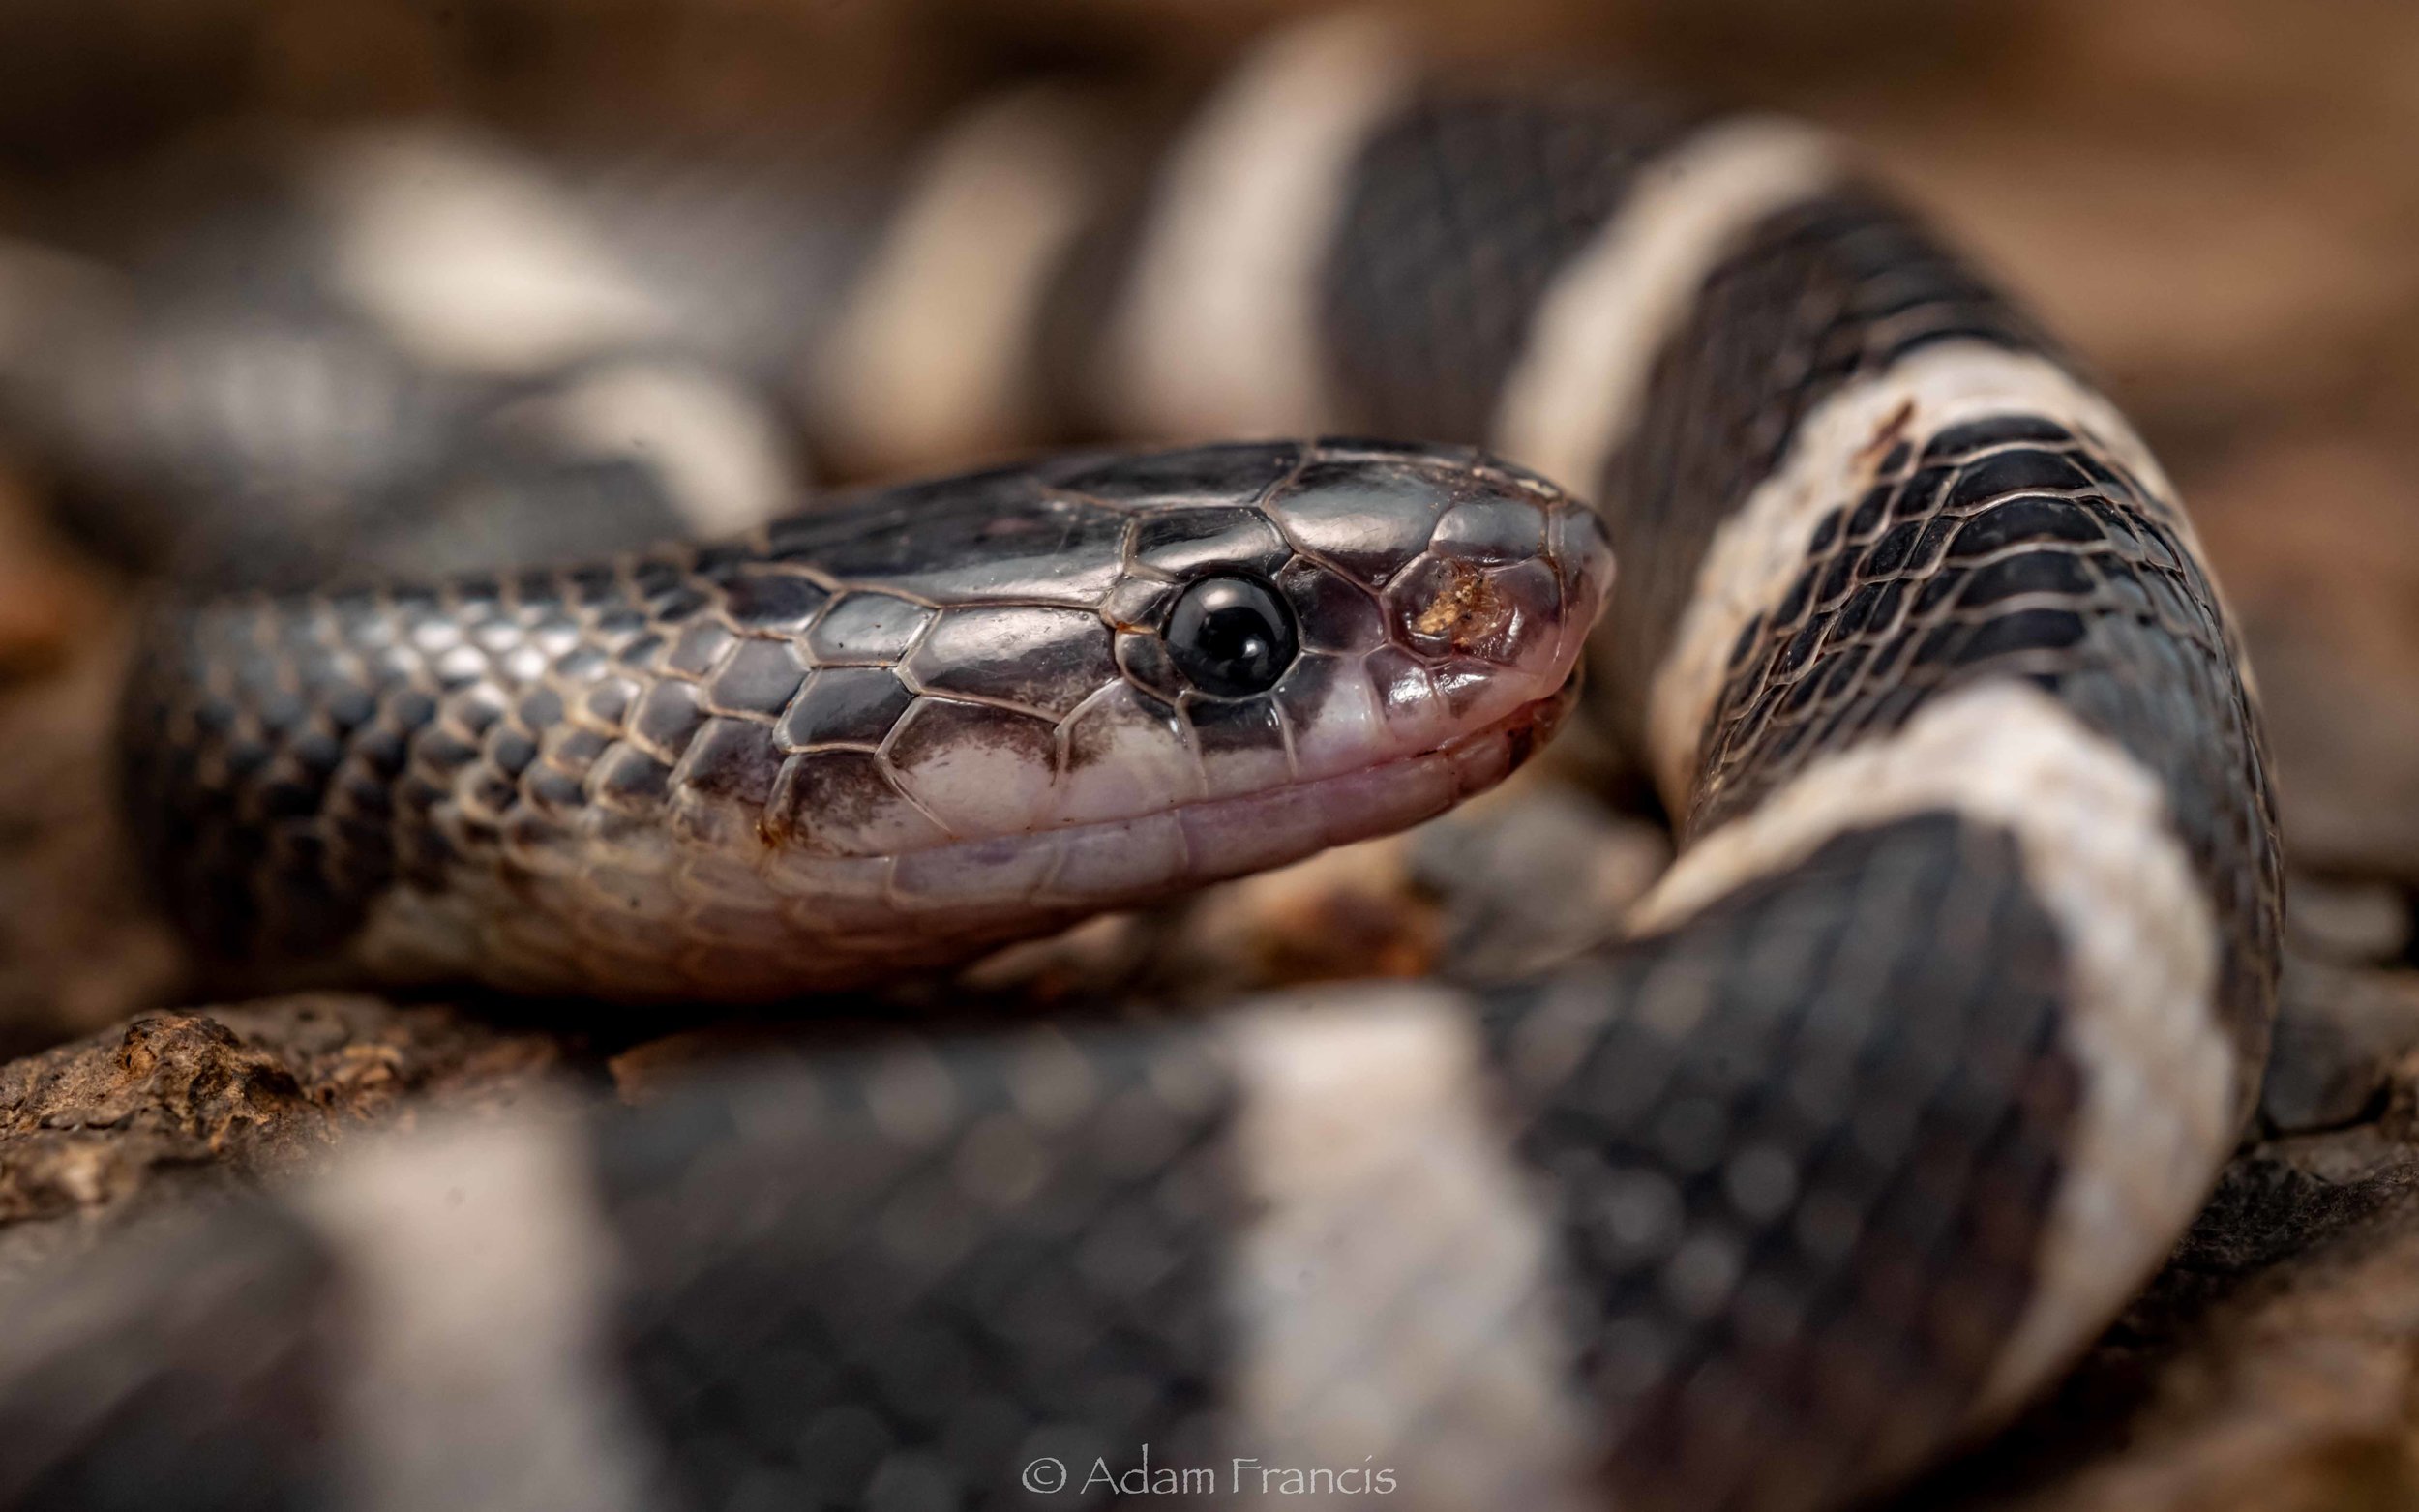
1230 636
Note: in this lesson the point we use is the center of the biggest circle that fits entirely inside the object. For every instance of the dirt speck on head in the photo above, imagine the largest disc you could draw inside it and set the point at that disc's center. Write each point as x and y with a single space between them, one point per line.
1466 611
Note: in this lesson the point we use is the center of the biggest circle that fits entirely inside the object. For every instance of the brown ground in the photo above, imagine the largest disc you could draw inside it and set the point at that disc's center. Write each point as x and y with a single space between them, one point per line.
2210 197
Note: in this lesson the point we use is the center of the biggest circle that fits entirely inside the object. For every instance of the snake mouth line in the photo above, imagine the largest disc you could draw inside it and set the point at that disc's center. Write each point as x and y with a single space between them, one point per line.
1116 863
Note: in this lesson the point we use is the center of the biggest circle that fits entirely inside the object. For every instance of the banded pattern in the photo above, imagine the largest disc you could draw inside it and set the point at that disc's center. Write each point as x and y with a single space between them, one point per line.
406 338
2014 546
1803 1157
1908 1071
923 1275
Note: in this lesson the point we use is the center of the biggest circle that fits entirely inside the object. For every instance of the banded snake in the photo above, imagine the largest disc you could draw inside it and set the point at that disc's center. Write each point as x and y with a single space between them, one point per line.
1883 1102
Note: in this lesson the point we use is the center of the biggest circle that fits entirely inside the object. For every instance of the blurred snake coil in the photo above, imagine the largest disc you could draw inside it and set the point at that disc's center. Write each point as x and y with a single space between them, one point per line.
1876 1111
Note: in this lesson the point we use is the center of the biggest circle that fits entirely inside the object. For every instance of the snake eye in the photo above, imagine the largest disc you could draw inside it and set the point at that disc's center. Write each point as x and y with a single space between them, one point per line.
1230 636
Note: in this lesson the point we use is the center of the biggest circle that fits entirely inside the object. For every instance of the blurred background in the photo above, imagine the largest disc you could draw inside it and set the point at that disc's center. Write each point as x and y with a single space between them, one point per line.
2214 201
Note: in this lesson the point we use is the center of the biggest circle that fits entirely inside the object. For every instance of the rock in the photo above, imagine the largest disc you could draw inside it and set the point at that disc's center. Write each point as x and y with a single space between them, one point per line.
80 945
2271 1364
1353 911
1486 862
235 1094
2340 1033
2349 921
2321 590
1093 958
51 602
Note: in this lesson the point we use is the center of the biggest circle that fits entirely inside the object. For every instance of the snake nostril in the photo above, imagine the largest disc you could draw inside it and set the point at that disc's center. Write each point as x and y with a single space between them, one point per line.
1231 637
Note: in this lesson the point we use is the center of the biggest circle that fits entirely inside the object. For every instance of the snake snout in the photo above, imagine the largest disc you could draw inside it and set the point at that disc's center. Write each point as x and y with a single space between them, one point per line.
1483 581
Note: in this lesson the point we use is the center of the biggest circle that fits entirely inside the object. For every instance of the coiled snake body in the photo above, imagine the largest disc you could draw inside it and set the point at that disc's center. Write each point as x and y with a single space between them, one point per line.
1904 1077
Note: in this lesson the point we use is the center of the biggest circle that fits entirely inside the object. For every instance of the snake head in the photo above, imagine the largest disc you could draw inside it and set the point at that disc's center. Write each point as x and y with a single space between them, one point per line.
887 733
1187 665
1372 607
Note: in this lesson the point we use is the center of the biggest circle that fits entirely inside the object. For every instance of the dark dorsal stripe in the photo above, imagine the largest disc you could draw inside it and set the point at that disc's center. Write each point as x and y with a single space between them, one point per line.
1460 214
896 1279
1793 1142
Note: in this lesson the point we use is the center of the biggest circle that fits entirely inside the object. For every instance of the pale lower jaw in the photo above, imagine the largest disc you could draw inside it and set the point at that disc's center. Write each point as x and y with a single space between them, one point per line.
1122 863
1234 835
823 922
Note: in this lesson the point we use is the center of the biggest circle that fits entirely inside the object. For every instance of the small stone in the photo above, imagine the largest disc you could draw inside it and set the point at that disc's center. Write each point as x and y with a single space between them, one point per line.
1486 859
2339 1033
235 1092
2366 923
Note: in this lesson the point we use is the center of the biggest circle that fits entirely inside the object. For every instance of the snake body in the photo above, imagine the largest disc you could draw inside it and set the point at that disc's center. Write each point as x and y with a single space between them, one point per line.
1900 1082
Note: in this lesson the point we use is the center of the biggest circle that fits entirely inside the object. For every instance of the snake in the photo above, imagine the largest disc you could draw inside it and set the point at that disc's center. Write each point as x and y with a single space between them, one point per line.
1827 1160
